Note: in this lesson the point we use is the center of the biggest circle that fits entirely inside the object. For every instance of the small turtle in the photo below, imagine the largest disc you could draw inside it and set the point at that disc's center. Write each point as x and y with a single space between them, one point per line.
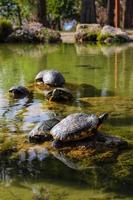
76 127
41 131
59 94
50 77
19 91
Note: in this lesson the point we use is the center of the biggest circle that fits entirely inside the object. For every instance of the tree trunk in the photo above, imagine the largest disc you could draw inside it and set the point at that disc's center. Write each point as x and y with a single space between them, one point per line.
19 15
88 12
128 14
110 12
117 13
42 12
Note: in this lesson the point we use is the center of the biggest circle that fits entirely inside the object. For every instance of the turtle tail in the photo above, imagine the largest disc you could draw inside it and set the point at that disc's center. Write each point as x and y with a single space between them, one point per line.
102 118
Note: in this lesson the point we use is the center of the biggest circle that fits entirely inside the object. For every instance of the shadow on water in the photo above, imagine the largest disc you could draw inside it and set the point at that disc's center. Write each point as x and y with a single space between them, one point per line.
89 67
86 90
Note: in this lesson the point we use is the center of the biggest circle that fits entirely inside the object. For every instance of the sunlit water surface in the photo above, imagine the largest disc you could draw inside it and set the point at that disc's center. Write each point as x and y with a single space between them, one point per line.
105 76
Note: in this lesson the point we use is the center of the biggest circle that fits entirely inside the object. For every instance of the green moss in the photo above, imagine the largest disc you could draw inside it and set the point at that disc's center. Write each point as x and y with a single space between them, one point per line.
101 38
107 38
119 39
91 36
2 138
8 146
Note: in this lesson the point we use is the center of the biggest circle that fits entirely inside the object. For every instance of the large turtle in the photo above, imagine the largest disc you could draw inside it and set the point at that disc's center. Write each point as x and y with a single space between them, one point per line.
50 77
76 127
19 91
59 94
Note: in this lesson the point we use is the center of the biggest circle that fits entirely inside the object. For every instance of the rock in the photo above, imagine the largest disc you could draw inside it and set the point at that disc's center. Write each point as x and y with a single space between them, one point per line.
87 32
94 33
98 142
116 33
34 33
89 27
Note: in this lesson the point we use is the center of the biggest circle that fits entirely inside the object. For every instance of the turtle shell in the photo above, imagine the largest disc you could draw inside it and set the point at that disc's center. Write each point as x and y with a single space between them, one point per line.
75 127
50 77
39 76
19 91
59 94
40 132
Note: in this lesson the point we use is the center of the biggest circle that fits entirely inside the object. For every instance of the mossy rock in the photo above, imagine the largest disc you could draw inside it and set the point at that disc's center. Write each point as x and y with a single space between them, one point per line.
34 33
102 38
110 39
5 29
87 32
91 36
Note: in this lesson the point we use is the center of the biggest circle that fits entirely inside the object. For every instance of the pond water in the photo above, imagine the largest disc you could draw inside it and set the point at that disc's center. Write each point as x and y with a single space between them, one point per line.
101 79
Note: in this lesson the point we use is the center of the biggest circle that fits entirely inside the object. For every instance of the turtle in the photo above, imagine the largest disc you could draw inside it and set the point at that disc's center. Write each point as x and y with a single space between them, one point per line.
59 94
40 132
19 91
50 77
75 127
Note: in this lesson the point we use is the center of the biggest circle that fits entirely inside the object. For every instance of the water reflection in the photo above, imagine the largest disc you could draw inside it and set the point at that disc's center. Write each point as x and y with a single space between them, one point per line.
19 115
86 90
33 153
68 161
84 49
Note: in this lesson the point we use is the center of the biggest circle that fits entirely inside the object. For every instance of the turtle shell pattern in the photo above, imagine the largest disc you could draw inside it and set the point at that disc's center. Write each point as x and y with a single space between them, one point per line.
39 76
75 127
51 77
41 130
59 94
19 91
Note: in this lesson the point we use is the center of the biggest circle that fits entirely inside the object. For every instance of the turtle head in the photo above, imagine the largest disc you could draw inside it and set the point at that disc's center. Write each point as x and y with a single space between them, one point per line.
102 118
14 92
56 94
53 94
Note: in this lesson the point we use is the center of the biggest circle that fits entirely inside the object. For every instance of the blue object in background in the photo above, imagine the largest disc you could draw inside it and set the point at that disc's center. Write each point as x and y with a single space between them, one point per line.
69 25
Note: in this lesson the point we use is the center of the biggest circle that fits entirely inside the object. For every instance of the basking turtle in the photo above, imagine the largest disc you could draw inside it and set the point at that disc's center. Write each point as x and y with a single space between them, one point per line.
41 131
59 94
50 77
76 127
19 91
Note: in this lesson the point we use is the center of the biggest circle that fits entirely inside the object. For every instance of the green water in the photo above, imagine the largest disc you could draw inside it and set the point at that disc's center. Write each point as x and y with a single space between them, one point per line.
104 76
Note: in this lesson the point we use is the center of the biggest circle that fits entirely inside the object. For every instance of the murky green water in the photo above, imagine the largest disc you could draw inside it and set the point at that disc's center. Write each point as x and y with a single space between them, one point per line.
104 76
